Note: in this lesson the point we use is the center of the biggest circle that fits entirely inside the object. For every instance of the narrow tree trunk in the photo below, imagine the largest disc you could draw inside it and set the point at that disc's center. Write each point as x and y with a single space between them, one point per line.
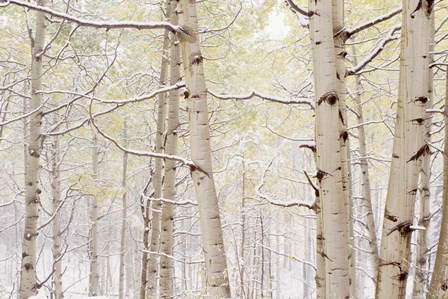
56 226
367 256
169 186
408 151
158 169
28 282
439 281
210 222
93 248
328 144
124 216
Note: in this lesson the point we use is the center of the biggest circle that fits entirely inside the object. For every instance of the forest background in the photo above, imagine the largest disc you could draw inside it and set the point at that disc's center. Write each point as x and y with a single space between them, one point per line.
101 90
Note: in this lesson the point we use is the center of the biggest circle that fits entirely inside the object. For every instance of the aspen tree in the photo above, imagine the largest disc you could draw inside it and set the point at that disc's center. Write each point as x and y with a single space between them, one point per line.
439 282
210 221
56 223
28 281
409 148
329 172
124 216
156 206
93 234
169 185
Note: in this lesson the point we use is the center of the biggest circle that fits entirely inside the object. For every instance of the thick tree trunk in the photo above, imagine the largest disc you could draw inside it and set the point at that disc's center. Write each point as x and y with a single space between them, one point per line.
439 281
408 151
56 226
28 283
169 186
328 144
124 216
158 171
210 222
421 280
93 244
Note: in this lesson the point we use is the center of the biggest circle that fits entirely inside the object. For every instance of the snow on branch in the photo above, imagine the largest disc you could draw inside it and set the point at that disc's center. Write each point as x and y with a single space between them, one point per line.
121 102
179 159
296 9
389 38
255 94
277 202
373 22
96 24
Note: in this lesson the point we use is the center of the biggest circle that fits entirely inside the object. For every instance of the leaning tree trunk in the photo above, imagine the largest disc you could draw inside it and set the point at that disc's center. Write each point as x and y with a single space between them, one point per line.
56 224
28 282
124 216
169 184
210 222
328 144
439 281
93 242
151 287
408 151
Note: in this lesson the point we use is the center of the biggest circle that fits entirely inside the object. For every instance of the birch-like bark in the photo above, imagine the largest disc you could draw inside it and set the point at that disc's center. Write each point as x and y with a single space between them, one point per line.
56 226
151 287
28 283
210 222
328 144
339 38
169 185
124 216
439 281
408 151
421 280
93 244
367 256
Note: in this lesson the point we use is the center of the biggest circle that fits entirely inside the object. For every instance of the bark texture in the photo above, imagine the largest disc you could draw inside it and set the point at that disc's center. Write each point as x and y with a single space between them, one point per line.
28 283
210 222
56 223
93 244
408 151
169 184
335 225
153 270
439 282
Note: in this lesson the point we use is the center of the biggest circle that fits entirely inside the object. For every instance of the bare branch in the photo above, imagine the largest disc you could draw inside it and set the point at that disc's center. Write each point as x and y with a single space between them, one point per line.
179 159
389 38
95 24
255 94
296 9
373 22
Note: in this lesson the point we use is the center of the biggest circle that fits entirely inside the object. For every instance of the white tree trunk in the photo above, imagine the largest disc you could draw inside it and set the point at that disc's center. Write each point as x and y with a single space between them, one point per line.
56 226
439 281
124 216
367 256
28 283
421 280
93 244
210 222
328 144
408 151
169 186
158 170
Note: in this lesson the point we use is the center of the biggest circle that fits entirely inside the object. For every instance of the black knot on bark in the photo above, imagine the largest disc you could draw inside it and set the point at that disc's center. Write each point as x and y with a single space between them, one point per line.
424 100
330 97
